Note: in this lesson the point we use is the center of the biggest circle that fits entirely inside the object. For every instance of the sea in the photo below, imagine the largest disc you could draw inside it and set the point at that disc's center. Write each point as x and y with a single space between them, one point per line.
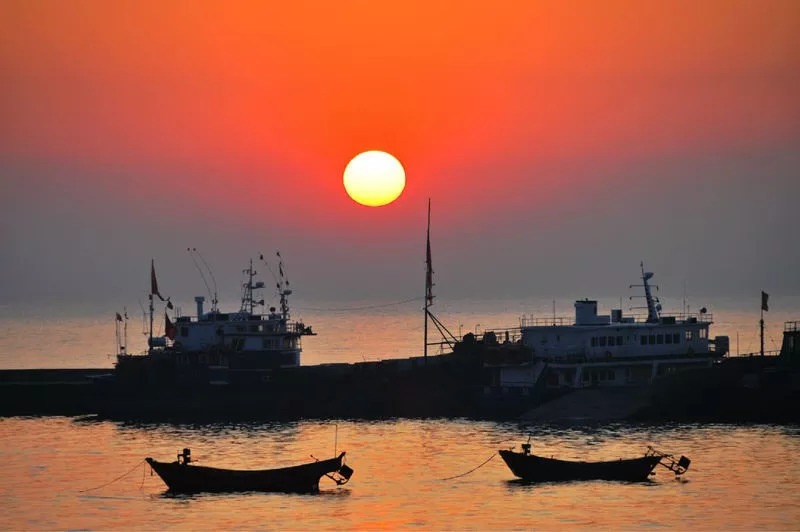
82 473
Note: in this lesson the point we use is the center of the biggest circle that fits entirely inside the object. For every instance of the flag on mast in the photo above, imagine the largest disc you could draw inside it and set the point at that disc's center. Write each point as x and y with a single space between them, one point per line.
153 283
169 328
428 263
764 300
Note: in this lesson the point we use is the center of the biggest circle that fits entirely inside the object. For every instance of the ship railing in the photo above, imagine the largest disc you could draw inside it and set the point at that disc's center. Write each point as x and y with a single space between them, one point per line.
791 326
512 334
560 321
767 353
553 321
683 316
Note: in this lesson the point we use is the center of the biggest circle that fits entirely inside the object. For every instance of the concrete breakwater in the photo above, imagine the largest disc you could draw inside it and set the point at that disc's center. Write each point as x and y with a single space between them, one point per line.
442 386
736 390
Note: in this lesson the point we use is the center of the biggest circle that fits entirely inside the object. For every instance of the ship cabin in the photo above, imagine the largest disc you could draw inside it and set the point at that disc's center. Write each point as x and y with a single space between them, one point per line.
271 336
599 337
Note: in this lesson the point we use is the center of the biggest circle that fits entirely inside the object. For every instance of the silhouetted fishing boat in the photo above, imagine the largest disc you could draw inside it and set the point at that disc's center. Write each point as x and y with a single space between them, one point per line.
534 468
181 477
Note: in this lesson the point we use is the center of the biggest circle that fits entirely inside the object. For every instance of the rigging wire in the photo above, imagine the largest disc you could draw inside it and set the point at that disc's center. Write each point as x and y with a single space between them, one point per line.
471 470
342 309
191 252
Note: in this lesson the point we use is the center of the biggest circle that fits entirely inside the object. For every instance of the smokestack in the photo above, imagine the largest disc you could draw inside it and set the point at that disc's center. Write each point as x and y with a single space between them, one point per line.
199 300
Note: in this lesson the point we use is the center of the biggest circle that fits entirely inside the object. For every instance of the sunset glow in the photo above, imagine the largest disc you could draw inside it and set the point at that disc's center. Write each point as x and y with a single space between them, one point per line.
374 178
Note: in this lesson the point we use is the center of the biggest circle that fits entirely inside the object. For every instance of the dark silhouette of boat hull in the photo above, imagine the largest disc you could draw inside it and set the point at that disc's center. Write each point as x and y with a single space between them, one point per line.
534 468
186 478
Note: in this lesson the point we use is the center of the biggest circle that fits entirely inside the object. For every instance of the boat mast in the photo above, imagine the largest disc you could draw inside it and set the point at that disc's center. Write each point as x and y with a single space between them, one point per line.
125 314
764 306
428 281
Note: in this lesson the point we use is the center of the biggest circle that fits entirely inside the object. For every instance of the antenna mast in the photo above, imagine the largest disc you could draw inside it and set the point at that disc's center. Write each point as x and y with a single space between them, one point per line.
653 305
283 289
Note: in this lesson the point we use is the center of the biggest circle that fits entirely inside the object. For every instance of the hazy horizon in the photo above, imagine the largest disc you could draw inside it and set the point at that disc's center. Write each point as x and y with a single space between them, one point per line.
559 148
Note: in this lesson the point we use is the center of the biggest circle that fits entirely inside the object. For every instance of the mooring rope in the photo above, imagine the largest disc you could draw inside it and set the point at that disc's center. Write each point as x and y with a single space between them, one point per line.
471 470
118 478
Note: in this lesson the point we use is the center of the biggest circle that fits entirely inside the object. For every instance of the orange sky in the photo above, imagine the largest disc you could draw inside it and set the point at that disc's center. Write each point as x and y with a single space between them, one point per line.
220 103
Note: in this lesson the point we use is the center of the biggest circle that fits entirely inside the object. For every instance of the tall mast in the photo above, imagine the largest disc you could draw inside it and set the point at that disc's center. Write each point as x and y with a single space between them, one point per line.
428 281
764 306
150 341
125 314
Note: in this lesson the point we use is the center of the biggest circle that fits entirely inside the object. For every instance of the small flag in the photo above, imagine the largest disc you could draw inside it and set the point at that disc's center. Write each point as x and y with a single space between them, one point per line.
153 283
169 304
169 328
119 318
764 300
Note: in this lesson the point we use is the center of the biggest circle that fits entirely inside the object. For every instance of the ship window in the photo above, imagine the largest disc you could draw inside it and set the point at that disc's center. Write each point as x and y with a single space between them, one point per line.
703 333
652 340
611 341
676 338
689 336
602 341
660 339
619 340
643 338
594 341
184 331
667 338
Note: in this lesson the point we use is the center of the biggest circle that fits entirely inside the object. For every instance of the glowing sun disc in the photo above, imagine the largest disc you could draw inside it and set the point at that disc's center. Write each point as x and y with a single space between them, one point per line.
374 178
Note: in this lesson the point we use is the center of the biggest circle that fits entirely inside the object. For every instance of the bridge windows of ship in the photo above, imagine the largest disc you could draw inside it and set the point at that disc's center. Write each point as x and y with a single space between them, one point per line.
689 336
610 341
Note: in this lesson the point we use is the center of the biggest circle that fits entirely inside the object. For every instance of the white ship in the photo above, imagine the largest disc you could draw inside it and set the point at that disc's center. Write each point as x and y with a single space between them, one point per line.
214 347
606 350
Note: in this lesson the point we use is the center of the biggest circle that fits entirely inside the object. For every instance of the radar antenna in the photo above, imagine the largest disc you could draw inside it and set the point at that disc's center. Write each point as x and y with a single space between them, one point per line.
653 304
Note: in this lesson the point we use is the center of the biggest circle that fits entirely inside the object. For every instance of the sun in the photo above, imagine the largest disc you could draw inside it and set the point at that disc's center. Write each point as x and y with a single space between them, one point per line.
374 178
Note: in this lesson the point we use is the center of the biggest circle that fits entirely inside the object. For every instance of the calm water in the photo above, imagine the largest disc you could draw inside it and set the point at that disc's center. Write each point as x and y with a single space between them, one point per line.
741 477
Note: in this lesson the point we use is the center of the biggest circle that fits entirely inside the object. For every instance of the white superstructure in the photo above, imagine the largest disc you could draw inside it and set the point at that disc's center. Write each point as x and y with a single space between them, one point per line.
612 349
